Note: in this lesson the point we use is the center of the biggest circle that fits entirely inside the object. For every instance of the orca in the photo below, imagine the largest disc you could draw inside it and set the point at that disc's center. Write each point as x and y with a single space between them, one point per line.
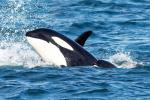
57 49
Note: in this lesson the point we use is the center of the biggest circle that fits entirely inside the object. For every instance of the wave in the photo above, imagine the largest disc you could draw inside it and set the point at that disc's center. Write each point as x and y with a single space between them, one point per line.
19 54
123 60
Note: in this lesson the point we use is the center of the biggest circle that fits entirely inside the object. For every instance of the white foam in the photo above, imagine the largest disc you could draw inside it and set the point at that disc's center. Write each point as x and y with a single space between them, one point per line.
19 54
123 60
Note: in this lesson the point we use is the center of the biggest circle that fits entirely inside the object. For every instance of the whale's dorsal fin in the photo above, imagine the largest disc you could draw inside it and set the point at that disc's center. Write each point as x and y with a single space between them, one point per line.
83 37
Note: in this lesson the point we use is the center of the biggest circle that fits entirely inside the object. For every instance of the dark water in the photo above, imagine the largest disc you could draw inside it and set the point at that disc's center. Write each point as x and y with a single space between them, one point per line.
121 35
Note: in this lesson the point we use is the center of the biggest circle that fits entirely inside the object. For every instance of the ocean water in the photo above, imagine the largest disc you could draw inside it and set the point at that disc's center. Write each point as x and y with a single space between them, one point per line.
121 35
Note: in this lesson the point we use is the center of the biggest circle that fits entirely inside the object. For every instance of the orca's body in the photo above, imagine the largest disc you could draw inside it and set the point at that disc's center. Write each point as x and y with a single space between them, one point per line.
57 49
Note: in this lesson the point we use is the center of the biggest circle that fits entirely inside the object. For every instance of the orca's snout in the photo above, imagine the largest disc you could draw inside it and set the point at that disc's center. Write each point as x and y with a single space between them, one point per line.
32 34
38 34
29 34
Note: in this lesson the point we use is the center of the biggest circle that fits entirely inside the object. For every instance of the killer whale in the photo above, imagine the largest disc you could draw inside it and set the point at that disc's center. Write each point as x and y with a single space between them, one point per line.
57 49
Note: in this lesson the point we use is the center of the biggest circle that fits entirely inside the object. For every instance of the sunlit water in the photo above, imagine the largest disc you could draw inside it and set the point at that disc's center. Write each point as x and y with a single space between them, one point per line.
121 35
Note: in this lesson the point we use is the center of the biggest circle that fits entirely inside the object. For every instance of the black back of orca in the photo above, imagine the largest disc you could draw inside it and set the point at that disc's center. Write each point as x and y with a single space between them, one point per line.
75 57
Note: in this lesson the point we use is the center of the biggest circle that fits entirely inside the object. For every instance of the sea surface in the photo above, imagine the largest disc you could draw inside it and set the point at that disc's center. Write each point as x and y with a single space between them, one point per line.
121 35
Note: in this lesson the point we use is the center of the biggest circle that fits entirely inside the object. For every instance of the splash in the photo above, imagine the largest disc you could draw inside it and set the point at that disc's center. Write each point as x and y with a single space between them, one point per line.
123 60
19 54
14 15
14 51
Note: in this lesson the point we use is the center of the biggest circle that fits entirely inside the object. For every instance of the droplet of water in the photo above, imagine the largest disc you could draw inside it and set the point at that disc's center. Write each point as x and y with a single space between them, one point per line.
123 60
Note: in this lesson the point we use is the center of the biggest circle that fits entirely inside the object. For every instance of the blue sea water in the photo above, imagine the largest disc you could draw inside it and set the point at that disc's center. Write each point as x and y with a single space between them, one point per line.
121 35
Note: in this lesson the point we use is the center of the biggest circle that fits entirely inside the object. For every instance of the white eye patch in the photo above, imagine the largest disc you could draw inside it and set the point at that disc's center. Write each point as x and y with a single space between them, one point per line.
62 43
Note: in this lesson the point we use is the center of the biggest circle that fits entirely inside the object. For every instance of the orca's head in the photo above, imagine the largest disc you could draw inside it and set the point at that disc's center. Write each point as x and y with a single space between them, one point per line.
47 43
42 34
49 36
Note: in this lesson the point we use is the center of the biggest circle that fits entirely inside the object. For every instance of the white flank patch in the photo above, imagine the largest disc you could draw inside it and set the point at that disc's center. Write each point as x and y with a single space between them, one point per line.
49 52
62 43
